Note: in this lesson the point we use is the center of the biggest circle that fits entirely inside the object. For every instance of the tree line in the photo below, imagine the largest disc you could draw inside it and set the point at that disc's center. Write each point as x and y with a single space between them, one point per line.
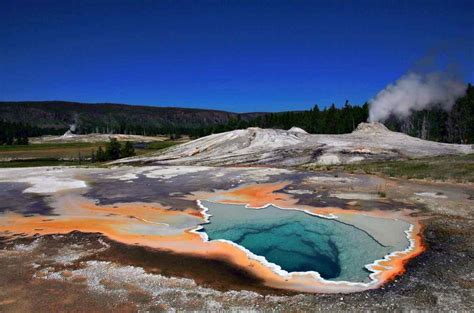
436 124
113 151
14 133
17 133
455 126
331 120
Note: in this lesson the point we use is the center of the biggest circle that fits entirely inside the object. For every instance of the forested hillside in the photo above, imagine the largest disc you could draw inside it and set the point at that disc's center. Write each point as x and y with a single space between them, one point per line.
53 117
21 119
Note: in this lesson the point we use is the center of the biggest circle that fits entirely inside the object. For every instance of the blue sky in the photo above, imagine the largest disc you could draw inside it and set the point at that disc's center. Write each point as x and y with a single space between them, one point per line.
230 55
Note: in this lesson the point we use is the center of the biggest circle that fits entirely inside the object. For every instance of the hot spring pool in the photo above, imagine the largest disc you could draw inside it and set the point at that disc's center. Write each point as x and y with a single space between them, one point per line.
299 242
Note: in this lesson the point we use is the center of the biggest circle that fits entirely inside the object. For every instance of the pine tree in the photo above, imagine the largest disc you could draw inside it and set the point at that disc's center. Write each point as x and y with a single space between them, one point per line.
100 155
112 149
127 150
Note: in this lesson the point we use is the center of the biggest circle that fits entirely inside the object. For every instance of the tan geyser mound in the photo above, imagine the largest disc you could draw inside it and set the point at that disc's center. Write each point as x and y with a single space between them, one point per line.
372 128
295 129
370 141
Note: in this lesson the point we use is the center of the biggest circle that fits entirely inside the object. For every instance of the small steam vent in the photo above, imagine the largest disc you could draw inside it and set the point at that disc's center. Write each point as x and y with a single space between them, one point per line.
71 131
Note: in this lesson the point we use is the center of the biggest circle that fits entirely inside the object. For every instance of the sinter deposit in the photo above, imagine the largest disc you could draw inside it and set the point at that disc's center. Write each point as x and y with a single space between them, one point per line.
370 141
70 137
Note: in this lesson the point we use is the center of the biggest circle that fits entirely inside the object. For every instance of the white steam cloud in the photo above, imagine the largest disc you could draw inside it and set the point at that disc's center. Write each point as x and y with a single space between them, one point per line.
415 92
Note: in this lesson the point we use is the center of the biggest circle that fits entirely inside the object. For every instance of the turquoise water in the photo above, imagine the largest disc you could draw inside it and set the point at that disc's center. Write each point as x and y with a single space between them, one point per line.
297 241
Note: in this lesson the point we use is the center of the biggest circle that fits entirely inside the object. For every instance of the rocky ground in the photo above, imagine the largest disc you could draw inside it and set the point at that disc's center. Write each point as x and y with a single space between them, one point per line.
84 273
89 272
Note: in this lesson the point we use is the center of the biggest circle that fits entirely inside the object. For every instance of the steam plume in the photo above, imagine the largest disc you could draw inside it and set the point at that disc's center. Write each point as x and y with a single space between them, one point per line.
414 92
73 126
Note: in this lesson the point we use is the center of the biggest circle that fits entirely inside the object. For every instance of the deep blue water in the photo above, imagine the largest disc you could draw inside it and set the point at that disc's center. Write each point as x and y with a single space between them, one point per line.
297 241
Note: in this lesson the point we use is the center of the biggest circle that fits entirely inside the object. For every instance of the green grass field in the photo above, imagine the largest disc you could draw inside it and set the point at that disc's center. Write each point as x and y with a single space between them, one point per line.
54 154
49 146
445 168
43 162
49 150
158 145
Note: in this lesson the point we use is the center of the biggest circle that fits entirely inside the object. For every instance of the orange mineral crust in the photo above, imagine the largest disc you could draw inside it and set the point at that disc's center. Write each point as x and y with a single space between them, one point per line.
255 195
395 265
156 226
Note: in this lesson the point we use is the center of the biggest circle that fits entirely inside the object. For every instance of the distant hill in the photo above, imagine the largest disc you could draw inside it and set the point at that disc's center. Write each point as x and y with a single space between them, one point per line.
57 116
27 119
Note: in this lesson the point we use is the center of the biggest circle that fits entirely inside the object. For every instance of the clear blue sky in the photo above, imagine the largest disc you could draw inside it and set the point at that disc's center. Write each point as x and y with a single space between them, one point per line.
230 55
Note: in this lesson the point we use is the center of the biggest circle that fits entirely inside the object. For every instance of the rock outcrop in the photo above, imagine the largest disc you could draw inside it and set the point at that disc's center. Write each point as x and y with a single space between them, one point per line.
256 146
